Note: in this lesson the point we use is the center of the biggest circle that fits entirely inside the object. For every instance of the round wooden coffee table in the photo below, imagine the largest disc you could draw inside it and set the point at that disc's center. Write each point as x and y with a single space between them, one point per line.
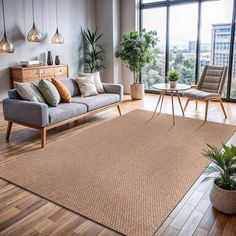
164 88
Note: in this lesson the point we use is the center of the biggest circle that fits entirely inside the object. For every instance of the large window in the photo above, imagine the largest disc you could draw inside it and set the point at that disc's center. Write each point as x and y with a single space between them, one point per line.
215 34
154 19
192 34
183 35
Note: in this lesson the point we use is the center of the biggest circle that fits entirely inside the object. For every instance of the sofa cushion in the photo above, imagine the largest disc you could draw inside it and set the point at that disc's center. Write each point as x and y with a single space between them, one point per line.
97 101
49 92
29 92
86 86
97 80
71 85
62 90
65 111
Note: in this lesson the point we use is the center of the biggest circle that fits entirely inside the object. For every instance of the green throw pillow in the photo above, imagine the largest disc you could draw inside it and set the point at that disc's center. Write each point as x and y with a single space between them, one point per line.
49 92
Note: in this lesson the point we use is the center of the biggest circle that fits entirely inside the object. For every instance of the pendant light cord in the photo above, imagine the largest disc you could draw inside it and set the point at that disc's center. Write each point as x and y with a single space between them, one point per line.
33 9
3 14
56 15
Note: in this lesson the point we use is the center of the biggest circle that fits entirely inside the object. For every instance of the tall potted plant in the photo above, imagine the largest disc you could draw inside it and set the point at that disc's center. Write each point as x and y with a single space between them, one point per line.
93 52
223 172
136 51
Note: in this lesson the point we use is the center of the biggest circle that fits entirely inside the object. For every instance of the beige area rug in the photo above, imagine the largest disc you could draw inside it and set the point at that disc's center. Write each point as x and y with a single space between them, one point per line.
127 174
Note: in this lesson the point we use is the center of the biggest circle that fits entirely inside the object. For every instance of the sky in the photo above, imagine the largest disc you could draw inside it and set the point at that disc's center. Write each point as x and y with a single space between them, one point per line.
183 20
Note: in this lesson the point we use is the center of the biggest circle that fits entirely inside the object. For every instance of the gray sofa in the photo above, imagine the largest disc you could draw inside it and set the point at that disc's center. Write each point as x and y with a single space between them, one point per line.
42 117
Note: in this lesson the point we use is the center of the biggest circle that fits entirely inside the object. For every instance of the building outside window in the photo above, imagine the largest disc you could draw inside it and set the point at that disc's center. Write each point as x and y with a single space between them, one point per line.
180 35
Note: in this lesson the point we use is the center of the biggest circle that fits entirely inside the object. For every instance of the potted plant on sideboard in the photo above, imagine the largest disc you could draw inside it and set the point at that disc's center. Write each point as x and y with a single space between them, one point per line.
93 52
136 51
173 76
223 172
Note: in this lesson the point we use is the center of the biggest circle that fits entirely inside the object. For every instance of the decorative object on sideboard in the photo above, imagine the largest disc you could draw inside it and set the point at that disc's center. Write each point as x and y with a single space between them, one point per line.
34 35
29 63
57 60
5 45
141 44
49 59
57 37
223 172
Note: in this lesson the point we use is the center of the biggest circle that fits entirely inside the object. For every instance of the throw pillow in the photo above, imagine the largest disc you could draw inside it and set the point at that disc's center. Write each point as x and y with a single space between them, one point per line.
49 92
86 86
29 92
97 80
62 89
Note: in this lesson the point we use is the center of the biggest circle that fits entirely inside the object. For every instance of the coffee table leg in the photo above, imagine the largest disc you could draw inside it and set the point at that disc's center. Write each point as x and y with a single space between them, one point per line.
163 95
173 110
159 99
177 93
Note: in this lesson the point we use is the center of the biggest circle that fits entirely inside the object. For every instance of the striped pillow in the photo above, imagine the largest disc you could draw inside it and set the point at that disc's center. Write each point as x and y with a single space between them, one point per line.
49 92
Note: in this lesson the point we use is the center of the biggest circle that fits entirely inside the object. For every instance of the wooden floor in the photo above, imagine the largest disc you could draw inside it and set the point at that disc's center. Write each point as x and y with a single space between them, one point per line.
23 213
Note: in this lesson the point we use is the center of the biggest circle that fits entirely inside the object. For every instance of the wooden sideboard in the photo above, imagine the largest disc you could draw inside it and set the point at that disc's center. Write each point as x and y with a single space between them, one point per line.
31 73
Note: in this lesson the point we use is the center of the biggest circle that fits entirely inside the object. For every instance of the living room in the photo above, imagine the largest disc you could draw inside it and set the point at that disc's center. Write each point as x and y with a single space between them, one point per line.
117 117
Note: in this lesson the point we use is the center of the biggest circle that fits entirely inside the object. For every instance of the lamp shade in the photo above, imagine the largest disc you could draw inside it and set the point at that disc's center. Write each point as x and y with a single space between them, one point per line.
34 35
6 45
57 38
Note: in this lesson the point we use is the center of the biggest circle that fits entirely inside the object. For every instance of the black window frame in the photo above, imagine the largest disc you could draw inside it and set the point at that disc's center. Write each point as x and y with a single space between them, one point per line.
167 4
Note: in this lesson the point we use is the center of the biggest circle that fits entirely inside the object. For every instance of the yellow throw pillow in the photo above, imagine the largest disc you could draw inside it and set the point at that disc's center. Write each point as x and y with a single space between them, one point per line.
62 90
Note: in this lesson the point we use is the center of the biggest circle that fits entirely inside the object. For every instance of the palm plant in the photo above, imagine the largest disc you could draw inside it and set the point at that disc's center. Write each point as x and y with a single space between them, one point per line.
93 51
223 169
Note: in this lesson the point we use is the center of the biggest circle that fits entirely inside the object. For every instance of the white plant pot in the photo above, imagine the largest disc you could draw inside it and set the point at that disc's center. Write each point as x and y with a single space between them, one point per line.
173 84
137 91
223 200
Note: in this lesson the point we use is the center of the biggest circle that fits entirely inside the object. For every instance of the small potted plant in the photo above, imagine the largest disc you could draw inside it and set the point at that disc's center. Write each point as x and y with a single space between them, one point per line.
136 51
173 77
223 172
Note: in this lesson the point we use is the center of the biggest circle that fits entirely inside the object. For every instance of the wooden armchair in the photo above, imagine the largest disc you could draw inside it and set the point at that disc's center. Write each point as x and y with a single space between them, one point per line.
209 88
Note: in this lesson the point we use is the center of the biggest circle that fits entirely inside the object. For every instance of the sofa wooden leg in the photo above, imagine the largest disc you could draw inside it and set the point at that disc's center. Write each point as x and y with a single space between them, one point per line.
196 104
9 126
43 137
223 109
206 111
118 107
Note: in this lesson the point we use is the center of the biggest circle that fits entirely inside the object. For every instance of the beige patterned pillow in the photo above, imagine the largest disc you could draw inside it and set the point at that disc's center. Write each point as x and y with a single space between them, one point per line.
86 86
97 80
29 92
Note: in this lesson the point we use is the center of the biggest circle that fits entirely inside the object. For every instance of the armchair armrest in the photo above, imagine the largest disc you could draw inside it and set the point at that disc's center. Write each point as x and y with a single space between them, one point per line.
114 88
26 112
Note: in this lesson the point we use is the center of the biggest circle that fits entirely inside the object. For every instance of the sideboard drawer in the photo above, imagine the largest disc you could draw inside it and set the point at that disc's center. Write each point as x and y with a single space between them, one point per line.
29 75
46 73
61 71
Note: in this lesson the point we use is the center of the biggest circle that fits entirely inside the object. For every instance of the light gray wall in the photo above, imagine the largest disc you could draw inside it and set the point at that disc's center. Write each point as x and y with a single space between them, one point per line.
108 23
72 14
115 18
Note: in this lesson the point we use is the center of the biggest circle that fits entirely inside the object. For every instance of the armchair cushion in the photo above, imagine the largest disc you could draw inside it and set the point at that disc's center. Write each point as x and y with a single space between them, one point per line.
200 95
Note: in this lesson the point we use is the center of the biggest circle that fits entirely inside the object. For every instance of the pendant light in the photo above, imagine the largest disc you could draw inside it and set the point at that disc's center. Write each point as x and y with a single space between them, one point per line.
57 37
34 35
5 44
